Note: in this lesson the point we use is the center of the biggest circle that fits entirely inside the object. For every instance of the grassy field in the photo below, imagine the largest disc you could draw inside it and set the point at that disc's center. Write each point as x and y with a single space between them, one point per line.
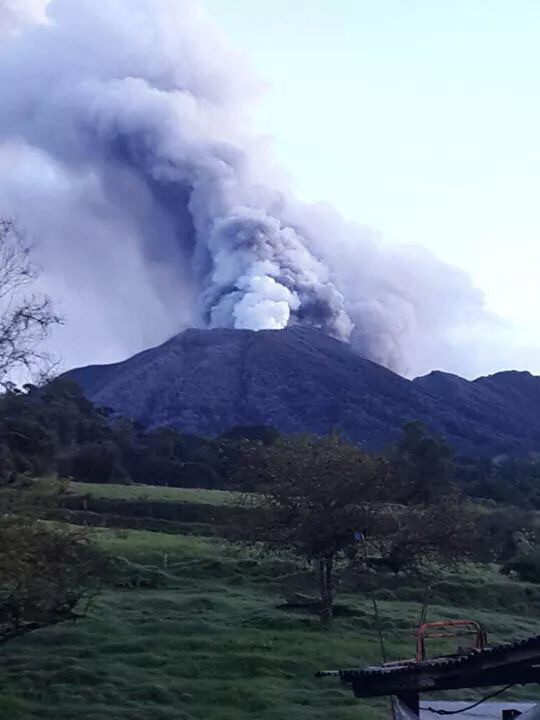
152 492
210 644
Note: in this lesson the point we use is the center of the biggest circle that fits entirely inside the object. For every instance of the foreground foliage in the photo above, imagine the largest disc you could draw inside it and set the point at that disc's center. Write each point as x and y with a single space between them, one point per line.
49 572
48 575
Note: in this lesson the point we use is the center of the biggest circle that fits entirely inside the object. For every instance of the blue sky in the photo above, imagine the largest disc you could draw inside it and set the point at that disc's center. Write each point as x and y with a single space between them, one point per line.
420 118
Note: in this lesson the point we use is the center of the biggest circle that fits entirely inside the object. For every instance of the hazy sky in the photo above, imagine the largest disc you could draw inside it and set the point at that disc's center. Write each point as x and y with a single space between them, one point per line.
419 118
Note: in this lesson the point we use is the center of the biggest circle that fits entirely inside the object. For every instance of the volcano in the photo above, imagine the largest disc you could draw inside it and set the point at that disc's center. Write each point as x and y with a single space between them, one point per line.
301 380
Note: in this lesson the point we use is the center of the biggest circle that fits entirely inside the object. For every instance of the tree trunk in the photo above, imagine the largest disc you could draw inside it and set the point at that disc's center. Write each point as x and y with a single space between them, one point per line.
326 585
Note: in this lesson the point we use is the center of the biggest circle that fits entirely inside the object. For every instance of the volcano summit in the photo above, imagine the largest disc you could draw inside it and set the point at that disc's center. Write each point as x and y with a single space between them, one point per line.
300 380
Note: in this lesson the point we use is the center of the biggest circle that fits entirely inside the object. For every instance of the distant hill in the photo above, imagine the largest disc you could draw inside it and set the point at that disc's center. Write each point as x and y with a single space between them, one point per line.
300 380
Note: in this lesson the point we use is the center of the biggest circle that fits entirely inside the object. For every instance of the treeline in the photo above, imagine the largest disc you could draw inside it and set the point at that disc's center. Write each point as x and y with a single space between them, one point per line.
503 480
55 430
506 481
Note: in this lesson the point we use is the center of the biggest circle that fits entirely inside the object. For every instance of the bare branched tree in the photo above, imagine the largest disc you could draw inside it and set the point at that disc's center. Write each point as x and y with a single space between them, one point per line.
48 573
26 317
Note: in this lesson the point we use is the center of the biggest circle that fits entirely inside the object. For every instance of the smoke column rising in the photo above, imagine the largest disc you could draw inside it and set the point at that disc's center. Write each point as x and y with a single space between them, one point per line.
126 149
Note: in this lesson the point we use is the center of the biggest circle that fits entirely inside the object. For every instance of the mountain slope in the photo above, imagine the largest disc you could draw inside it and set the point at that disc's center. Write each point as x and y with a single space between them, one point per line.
206 381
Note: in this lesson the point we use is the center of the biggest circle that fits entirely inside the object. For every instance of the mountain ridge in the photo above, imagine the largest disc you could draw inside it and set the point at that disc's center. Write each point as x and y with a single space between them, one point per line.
301 380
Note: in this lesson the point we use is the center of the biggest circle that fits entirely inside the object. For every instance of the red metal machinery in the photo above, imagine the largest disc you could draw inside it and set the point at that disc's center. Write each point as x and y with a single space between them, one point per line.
449 629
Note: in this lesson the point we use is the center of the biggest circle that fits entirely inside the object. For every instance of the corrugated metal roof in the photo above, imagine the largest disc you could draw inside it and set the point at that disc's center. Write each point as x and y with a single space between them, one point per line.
448 661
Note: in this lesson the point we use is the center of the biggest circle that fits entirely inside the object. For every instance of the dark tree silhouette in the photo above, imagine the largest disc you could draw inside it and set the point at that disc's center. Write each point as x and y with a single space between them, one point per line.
48 575
25 316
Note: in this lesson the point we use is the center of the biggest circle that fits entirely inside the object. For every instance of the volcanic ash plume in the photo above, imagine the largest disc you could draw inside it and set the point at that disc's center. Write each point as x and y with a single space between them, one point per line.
126 150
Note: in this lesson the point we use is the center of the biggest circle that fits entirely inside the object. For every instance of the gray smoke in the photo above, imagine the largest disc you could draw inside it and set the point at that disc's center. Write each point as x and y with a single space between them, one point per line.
125 148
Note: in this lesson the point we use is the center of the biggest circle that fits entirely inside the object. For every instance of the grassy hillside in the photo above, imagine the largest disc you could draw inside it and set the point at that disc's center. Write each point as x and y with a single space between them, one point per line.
202 639
152 492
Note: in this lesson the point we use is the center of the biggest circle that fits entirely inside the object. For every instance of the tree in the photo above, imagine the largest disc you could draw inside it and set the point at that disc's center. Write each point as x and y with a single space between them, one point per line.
25 317
424 464
46 571
49 572
318 496
509 481
326 501
421 535
48 575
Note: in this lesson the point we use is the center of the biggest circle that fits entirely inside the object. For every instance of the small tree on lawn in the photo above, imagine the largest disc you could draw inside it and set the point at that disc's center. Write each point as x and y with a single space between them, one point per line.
432 521
321 499
441 534
317 495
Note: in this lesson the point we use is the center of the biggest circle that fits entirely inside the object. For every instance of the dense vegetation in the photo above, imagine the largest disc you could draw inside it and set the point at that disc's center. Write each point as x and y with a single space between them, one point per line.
54 429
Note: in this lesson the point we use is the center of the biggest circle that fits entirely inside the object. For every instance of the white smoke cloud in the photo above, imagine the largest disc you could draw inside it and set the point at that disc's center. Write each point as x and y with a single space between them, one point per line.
125 148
